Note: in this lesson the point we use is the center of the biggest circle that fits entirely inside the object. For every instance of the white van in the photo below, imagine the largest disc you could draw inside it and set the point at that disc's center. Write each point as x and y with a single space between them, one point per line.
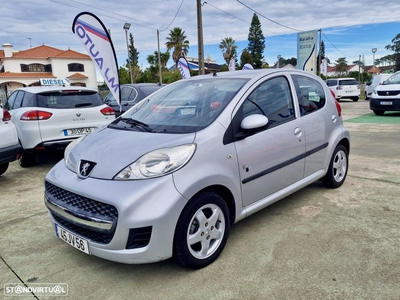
344 88
375 81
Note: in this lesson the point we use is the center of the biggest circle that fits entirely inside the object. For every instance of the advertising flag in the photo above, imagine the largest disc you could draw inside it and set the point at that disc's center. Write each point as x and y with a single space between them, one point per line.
183 67
307 51
324 67
232 63
97 41
247 67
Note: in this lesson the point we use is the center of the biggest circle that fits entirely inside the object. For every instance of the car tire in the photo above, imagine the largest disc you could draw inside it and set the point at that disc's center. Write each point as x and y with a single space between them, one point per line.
27 159
379 112
202 231
355 99
366 96
338 167
3 168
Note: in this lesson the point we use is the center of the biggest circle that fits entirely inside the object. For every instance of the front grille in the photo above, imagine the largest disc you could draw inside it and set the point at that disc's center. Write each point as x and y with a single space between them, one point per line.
388 93
139 237
102 238
83 206
93 207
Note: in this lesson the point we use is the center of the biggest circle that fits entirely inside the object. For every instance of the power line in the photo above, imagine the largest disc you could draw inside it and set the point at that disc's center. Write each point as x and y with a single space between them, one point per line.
179 8
267 17
335 46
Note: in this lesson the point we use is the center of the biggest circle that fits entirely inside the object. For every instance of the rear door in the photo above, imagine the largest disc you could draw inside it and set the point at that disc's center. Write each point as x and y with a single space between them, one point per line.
73 113
349 86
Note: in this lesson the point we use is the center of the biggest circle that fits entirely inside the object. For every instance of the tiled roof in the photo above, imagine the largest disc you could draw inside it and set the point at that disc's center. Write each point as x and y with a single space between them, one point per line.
77 75
46 52
27 75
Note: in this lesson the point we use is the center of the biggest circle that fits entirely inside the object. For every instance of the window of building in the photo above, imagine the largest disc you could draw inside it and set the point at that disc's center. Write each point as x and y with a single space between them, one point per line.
78 84
36 68
75 67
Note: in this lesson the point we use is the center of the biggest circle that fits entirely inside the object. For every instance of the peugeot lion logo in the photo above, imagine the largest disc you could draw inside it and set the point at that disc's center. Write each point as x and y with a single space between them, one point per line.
86 168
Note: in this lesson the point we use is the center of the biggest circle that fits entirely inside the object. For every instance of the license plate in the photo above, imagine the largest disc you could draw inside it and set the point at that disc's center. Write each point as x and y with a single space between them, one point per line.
72 239
386 102
188 111
78 131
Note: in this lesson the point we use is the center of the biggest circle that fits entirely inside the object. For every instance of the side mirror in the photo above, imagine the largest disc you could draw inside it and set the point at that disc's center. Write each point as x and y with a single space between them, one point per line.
254 122
251 125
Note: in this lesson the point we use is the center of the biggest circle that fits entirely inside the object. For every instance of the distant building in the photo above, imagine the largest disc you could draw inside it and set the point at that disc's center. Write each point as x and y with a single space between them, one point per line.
331 71
26 67
210 65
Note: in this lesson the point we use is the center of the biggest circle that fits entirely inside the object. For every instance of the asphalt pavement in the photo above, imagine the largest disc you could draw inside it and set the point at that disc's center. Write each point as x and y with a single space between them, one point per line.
315 244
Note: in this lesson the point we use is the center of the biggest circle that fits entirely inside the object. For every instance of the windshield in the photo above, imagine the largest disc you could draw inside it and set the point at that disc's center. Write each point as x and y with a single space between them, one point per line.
183 107
394 79
69 99
348 82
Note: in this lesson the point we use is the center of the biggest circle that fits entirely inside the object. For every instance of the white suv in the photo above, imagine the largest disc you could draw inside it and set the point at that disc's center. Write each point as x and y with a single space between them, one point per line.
9 146
49 118
344 88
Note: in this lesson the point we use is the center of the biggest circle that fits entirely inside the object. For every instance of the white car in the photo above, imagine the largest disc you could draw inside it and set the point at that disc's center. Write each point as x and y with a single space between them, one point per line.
9 146
375 81
386 97
344 88
49 118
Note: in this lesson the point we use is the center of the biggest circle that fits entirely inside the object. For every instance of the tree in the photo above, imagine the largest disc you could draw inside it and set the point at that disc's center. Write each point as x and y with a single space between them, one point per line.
395 47
177 41
228 48
152 59
341 66
124 76
256 42
133 57
246 58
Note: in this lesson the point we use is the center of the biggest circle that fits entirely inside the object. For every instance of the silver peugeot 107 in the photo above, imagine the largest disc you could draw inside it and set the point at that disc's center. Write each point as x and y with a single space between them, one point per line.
172 174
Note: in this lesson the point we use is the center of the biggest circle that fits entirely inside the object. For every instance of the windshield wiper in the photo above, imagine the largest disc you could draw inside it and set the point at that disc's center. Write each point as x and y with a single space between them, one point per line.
137 123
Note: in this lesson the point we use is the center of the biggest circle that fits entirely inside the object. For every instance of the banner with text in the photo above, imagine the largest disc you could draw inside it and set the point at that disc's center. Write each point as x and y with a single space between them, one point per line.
232 63
97 41
307 51
183 67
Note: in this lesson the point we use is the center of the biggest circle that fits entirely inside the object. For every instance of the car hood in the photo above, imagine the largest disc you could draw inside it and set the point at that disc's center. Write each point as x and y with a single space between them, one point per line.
388 87
112 150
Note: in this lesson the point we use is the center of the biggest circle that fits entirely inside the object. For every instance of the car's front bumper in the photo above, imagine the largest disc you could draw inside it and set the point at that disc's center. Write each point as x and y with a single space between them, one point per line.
385 104
153 203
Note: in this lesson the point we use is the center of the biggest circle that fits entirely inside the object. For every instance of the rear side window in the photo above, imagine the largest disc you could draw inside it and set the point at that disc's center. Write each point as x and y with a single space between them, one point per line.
310 93
28 100
331 82
69 99
11 100
348 82
18 99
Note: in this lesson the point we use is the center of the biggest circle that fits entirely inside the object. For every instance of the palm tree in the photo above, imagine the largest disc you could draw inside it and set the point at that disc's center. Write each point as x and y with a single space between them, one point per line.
152 59
177 41
228 48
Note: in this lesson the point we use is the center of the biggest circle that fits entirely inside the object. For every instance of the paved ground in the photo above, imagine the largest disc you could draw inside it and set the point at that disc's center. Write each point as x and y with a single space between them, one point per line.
315 244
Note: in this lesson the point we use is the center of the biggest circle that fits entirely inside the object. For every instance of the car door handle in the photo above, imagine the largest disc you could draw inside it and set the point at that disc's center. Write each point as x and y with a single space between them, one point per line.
297 132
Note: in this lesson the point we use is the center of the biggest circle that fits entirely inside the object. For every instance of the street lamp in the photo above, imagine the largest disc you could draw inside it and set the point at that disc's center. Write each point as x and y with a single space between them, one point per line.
126 28
373 55
279 58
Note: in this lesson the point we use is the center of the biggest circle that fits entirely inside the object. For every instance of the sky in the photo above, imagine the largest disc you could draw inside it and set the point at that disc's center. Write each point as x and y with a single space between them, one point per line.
350 28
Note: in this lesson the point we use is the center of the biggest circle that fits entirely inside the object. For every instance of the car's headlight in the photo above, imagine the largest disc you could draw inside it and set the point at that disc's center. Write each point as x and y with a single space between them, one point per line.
158 163
70 163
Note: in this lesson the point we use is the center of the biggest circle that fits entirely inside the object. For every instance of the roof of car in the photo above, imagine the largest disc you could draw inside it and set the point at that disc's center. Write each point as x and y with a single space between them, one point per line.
251 73
41 89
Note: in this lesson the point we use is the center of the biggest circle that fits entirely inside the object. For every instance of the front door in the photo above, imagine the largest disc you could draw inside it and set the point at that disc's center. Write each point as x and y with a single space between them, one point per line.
273 158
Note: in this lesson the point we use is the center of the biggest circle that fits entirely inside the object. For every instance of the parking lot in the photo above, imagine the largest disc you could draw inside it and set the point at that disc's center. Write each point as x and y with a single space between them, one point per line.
315 244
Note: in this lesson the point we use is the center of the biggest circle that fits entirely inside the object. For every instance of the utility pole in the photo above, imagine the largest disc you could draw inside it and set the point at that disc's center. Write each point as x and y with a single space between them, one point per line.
359 68
319 54
200 38
159 55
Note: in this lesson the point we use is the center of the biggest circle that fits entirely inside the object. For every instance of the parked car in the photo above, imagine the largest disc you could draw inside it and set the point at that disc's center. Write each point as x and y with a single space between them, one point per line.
130 95
344 88
191 160
375 81
50 117
9 145
386 97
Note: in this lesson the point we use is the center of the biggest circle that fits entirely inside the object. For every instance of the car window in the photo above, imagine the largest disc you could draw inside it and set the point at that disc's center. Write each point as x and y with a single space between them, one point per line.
28 100
271 99
133 95
11 100
18 99
125 94
69 99
394 79
348 82
186 106
310 94
147 90
331 82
